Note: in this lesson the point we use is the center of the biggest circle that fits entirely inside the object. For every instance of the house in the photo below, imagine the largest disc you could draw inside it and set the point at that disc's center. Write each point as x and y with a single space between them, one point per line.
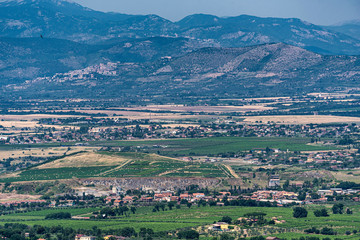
325 192
199 195
83 237
274 181
174 198
87 238
117 202
185 196
128 199
220 226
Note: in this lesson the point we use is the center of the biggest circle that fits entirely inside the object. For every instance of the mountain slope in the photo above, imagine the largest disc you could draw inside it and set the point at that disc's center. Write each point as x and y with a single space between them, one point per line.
55 19
263 70
247 30
28 58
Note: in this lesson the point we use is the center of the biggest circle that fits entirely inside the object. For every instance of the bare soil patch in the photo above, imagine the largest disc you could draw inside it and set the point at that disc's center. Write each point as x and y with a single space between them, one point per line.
9 197
42 152
217 109
86 159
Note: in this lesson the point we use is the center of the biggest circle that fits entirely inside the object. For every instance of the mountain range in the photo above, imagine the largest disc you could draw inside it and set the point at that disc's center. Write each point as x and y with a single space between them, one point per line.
57 48
67 20
264 70
350 28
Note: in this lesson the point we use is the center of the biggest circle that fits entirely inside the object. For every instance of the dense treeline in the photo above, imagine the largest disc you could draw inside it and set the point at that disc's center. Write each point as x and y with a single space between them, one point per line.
59 215
17 231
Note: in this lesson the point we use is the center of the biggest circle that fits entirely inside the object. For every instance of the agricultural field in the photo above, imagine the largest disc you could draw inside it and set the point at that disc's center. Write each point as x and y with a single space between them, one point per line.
43 152
105 164
196 217
218 145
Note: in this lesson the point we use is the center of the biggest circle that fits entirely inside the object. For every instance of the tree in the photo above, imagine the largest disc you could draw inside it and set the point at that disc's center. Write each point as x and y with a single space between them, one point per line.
321 213
188 234
226 219
349 211
225 236
133 210
171 205
59 215
146 232
128 232
327 231
302 196
300 212
338 208
286 185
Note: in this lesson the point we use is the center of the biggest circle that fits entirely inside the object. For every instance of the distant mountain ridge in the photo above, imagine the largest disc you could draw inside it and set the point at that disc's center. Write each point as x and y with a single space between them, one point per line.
350 28
67 20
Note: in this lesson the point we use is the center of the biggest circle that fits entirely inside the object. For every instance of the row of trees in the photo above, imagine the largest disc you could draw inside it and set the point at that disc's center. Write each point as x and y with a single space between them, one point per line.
338 208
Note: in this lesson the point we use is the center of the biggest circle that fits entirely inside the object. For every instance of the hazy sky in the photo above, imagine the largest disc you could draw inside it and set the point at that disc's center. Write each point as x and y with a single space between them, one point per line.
322 12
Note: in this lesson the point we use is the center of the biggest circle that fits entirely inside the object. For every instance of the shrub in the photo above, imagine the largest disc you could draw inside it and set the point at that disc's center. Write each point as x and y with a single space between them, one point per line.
188 234
59 215
226 219
327 231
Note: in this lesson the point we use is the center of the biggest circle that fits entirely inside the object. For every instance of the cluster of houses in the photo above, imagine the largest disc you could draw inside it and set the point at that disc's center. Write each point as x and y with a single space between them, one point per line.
168 196
270 195
224 128
336 191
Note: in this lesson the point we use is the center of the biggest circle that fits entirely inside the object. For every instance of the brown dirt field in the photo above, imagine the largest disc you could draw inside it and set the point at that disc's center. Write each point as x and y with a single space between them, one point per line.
8 197
39 152
182 108
31 124
19 124
88 159
132 115
302 119
31 117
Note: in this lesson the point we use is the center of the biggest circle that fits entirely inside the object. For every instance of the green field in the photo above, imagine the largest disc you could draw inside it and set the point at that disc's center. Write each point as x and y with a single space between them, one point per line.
138 165
198 216
217 145
200 146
